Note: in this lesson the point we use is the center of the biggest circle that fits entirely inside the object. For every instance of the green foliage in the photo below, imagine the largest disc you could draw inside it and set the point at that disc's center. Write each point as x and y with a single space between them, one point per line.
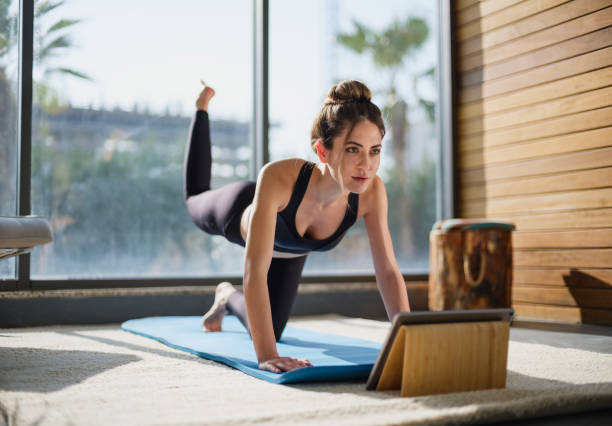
392 45
53 40
413 199
8 27
41 8
120 208
61 24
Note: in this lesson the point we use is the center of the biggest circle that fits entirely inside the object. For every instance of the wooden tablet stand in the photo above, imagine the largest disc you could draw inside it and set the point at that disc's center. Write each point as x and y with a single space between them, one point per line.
427 359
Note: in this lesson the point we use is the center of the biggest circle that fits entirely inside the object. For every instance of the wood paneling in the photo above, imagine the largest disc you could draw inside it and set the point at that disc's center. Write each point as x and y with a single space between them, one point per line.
562 313
564 277
462 4
558 33
544 221
547 128
577 258
482 9
582 160
541 75
598 238
587 101
589 199
534 146
577 297
574 142
547 55
553 90
510 15
585 179
538 22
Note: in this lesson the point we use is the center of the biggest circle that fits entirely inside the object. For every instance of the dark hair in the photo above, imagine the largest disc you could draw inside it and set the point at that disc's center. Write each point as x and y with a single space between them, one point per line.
347 103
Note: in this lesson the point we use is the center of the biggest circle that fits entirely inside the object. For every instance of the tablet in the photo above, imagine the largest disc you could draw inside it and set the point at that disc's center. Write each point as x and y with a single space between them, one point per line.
426 317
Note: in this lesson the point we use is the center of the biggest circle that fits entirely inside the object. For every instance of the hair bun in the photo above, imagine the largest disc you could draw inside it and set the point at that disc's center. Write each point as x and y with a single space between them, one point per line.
348 91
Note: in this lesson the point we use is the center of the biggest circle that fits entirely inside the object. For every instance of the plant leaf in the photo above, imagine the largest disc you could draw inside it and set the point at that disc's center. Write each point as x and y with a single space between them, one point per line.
69 71
358 41
63 23
44 7
58 43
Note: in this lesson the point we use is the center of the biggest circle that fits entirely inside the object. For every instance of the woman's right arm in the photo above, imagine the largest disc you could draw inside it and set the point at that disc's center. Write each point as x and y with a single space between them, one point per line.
269 196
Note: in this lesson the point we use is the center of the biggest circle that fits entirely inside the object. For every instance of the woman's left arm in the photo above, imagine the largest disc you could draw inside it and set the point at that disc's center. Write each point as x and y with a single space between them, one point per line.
389 279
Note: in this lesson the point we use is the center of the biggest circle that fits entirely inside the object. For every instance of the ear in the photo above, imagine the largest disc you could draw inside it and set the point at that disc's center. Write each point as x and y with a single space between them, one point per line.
321 151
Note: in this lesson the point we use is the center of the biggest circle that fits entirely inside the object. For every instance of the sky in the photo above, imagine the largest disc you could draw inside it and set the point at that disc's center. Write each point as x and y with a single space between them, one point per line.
151 55
156 52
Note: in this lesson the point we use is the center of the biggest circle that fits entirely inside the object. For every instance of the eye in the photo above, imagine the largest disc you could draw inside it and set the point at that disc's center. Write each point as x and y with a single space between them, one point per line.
352 149
375 151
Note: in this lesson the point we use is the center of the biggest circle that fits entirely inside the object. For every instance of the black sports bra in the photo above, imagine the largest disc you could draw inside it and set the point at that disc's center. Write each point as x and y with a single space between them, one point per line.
286 237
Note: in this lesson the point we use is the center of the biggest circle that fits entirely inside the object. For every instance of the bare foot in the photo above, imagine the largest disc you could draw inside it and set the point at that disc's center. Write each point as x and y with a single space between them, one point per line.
205 96
211 321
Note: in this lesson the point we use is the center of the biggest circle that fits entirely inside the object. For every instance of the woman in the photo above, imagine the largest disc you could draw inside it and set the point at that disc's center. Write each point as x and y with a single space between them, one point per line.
295 207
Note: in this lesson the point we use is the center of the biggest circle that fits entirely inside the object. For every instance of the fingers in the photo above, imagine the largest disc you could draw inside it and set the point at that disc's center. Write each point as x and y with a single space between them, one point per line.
278 365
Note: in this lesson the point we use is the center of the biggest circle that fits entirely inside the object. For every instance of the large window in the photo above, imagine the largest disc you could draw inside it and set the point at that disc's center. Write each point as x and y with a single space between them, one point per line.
114 88
391 46
115 85
9 80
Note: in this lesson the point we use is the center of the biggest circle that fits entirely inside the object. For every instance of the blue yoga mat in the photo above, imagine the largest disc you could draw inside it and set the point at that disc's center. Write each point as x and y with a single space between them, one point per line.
333 357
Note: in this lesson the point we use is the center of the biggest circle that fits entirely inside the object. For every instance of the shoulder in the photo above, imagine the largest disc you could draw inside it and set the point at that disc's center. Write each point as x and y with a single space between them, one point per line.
281 172
282 167
277 179
374 198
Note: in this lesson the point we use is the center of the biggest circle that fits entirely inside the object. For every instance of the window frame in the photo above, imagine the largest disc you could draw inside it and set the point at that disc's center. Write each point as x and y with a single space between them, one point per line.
259 144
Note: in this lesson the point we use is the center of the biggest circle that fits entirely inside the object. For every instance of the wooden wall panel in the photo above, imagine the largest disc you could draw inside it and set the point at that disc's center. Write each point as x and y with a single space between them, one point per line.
587 159
595 219
567 49
555 89
558 33
505 17
565 68
541 148
537 22
534 145
534 131
584 179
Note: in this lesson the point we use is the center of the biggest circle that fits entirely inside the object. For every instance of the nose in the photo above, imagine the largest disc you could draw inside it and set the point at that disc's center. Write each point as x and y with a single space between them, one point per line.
365 162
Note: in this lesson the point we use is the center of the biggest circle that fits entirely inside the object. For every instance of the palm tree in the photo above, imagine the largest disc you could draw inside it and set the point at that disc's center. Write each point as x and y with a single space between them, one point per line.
49 41
388 50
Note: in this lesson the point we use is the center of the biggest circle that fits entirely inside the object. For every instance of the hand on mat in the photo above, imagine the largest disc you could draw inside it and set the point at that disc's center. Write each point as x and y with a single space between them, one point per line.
285 363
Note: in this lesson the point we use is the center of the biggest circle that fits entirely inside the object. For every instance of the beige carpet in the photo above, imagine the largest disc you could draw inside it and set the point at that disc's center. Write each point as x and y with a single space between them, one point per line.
100 375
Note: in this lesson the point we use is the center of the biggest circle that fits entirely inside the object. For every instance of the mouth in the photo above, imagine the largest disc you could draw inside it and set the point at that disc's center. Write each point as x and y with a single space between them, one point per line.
360 179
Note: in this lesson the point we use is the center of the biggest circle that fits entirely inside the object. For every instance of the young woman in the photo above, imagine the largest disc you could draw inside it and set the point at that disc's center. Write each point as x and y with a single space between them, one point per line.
295 207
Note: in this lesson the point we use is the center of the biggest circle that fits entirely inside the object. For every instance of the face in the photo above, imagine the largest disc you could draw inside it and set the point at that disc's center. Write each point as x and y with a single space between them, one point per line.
356 158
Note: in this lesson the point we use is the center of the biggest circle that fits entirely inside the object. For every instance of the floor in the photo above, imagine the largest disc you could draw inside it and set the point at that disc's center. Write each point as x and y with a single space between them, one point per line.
589 337
98 372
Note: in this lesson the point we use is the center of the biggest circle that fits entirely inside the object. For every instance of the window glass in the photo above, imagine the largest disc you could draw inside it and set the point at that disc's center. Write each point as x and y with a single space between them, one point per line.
392 47
115 84
9 60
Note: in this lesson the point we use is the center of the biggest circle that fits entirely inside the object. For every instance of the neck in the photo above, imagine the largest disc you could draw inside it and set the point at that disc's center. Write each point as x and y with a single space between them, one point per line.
327 188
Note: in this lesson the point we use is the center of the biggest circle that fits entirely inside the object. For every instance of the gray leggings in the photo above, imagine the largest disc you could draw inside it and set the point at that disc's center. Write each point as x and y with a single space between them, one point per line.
218 212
